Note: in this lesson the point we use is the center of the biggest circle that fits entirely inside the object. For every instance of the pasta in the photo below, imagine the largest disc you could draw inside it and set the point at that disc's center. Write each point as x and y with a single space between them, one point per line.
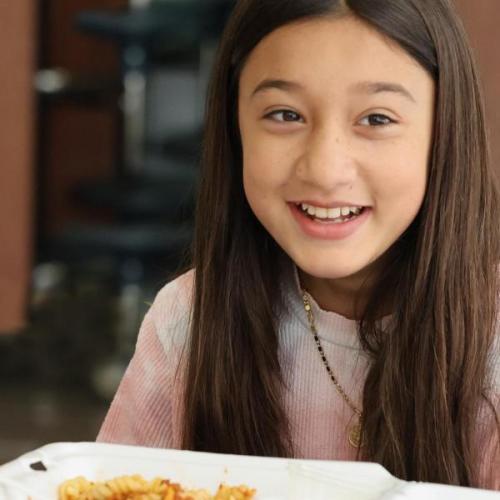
137 488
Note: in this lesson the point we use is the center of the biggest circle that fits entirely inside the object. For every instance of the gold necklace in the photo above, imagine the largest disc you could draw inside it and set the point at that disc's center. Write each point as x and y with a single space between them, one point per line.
355 430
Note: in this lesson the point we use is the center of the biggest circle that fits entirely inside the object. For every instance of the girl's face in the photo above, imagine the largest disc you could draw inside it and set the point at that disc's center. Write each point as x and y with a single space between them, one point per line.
336 125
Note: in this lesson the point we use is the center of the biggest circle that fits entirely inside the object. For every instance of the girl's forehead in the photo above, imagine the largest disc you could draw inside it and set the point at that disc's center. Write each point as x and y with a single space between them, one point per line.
327 53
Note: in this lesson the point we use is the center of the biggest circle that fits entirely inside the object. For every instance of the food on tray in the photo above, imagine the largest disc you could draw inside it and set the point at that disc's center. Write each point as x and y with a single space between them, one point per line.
137 488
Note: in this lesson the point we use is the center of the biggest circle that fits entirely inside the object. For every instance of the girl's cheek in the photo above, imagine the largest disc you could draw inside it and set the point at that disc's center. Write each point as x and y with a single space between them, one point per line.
272 158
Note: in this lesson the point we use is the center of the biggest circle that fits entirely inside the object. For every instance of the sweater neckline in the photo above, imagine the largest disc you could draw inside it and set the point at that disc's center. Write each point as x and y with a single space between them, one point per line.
332 327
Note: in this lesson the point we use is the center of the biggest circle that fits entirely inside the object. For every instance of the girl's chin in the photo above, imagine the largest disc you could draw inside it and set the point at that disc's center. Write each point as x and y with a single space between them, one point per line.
327 271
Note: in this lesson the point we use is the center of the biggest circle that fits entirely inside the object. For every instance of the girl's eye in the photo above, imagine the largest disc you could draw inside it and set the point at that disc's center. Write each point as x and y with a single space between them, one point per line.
376 120
284 115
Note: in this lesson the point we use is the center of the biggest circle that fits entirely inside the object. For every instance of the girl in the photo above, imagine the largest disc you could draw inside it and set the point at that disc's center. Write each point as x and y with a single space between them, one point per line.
343 300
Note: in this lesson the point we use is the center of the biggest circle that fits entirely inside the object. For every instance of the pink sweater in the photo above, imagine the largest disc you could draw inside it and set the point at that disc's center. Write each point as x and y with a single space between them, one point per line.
147 408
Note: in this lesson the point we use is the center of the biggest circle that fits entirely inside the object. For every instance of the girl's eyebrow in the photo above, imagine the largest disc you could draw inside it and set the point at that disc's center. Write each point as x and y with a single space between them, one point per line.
361 87
379 87
286 85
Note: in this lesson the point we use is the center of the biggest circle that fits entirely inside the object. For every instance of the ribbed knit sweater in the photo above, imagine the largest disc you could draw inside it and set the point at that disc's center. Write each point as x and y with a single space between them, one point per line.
147 408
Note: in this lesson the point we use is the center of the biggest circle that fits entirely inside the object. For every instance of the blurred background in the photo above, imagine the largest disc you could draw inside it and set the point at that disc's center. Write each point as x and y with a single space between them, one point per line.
101 112
101 109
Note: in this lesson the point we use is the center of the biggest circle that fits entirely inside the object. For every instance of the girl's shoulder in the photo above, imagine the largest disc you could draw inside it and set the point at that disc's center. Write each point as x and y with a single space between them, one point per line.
171 311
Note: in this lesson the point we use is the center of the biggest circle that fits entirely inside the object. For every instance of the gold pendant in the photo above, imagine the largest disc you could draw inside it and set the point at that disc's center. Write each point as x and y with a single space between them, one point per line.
355 435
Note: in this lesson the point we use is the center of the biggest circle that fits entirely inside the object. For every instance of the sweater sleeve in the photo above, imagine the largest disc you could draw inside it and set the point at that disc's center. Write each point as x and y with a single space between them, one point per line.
488 430
489 449
146 409
141 411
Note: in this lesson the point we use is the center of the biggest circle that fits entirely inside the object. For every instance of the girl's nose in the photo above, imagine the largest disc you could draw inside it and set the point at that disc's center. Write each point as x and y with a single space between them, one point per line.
327 162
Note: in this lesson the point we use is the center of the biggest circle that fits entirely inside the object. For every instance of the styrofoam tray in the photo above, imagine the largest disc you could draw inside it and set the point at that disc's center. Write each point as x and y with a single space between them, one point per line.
274 479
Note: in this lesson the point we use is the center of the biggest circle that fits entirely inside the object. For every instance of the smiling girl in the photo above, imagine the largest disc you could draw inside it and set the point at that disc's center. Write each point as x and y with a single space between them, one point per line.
343 300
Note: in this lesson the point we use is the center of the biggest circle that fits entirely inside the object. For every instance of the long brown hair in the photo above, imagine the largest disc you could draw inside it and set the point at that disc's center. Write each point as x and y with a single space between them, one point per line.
426 383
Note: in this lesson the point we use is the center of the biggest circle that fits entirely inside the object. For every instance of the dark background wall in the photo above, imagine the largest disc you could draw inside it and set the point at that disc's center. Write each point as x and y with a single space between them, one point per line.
481 18
78 136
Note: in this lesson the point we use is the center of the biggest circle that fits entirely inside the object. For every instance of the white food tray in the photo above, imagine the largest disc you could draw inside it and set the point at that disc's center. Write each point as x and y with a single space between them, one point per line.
273 478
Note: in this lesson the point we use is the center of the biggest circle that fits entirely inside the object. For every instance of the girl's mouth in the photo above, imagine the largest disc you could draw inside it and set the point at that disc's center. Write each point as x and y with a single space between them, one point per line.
336 215
329 223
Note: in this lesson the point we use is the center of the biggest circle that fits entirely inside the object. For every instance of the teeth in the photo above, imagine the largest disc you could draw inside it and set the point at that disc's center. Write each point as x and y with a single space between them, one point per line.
321 213
330 213
334 213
